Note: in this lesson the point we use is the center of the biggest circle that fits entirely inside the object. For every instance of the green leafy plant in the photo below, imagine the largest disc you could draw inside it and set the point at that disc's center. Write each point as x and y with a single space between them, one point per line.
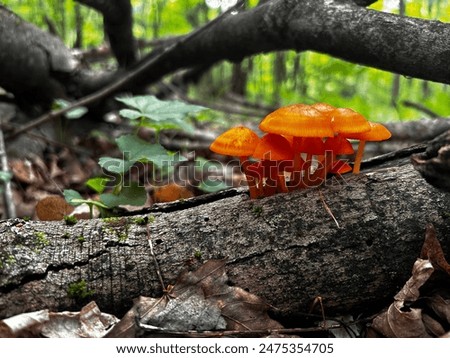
143 111
70 219
149 111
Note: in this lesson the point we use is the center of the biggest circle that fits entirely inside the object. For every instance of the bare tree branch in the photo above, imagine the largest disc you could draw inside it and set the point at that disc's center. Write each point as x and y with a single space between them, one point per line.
118 24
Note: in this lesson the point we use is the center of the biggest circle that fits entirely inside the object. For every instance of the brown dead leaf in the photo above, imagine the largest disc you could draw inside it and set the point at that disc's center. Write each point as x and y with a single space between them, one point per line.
242 310
433 326
403 319
24 172
432 250
26 324
88 323
199 301
400 322
421 272
53 208
171 192
440 306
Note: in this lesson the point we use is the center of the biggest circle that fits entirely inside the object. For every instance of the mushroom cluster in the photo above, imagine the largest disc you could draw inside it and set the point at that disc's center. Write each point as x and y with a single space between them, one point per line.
302 146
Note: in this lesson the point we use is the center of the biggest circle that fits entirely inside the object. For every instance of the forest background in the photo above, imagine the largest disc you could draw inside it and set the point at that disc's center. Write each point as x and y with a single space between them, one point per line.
271 80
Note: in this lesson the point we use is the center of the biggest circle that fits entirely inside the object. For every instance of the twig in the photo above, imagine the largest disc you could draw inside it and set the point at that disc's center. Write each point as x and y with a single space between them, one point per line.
251 333
420 107
123 81
158 270
327 208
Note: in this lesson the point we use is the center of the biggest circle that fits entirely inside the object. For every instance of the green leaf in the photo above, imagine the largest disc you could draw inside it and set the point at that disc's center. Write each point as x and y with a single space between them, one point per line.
74 198
212 186
115 165
130 195
136 149
159 114
74 113
97 184
5 176
130 114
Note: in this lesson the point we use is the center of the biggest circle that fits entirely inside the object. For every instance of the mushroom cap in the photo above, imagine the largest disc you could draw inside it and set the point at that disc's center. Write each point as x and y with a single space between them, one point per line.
340 167
377 132
325 108
298 120
339 145
238 141
346 120
273 147
311 145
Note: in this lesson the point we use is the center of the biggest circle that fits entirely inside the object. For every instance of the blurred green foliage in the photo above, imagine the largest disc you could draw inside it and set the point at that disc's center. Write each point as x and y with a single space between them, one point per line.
289 78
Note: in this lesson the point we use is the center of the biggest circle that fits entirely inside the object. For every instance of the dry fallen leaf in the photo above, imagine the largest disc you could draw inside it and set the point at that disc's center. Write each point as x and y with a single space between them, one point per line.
404 318
53 208
88 323
432 250
199 301
25 324
440 306
421 272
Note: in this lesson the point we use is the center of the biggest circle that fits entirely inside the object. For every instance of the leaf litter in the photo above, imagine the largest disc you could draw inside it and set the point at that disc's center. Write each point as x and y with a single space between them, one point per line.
414 316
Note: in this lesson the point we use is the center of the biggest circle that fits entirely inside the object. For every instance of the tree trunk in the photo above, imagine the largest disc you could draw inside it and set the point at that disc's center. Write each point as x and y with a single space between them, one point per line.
285 248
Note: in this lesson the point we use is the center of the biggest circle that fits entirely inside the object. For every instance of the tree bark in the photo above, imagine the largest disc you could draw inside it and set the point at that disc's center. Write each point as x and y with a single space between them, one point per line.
285 248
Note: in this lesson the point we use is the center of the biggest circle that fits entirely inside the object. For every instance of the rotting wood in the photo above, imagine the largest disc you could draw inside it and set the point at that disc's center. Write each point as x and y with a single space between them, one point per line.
285 248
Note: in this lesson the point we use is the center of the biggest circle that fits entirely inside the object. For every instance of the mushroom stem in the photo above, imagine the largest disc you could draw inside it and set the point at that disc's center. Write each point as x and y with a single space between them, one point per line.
251 182
320 174
298 163
358 157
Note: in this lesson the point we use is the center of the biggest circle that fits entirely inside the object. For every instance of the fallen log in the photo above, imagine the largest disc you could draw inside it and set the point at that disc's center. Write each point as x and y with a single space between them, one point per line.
287 248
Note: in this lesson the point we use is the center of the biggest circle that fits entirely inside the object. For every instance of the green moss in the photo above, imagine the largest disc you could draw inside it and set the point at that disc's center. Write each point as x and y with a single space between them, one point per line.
9 260
151 219
123 236
198 254
257 210
140 220
112 220
81 239
78 290
66 235
41 239
70 219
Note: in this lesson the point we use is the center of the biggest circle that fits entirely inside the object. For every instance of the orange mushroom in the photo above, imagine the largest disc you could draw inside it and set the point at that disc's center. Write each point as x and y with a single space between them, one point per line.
346 120
377 132
340 167
272 149
325 108
337 145
240 142
297 120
